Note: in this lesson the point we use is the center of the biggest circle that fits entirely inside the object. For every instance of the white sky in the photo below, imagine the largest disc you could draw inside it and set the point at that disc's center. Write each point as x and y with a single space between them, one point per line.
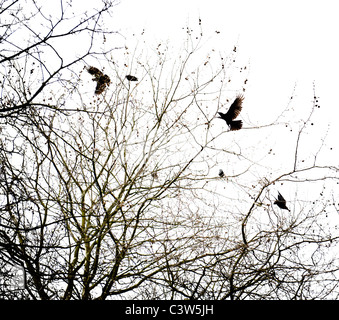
286 42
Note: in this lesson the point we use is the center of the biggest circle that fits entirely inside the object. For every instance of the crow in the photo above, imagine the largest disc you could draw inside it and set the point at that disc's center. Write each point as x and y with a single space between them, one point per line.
281 202
232 113
221 173
131 78
101 79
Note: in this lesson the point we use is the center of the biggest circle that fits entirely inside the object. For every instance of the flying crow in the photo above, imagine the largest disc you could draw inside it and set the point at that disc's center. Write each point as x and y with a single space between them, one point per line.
101 79
281 202
232 113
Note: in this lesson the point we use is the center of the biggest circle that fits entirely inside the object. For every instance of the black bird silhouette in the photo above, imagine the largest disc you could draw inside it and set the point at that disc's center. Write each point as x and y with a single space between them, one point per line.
281 202
131 78
101 79
221 173
232 113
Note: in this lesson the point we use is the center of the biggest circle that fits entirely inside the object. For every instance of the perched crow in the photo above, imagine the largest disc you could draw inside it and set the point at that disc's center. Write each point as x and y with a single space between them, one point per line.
101 79
281 202
232 113
131 78
221 173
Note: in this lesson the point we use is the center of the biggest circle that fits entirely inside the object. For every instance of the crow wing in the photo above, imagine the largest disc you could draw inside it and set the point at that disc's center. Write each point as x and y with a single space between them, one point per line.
94 71
102 82
235 108
100 88
281 198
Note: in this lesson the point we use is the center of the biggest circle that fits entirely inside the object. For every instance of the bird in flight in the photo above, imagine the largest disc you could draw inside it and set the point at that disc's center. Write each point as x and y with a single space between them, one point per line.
131 78
101 79
232 113
281 202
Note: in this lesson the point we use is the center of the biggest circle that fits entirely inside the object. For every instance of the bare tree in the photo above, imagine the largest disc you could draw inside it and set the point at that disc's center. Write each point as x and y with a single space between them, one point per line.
40 44
117 195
